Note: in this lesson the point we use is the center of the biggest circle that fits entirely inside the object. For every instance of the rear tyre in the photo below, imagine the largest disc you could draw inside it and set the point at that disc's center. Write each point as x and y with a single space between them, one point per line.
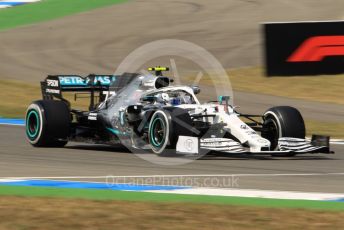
47 123
282 121
165 127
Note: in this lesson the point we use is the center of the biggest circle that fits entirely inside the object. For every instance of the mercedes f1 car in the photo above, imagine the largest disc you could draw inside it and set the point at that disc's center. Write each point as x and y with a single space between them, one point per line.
146 112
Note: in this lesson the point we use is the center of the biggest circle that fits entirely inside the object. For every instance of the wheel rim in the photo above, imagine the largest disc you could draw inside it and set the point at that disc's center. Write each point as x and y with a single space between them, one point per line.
158 132
272 133
32 124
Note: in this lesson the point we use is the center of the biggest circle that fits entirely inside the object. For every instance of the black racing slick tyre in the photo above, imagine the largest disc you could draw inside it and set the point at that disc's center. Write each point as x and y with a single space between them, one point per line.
165 127
282 121
47 123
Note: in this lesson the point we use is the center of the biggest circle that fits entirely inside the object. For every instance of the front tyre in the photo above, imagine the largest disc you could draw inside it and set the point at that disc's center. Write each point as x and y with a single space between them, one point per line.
165 127
282 121
158 131
47 123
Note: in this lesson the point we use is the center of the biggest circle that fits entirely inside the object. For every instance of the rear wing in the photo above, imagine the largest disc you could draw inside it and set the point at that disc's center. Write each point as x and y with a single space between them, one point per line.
95 84
54 85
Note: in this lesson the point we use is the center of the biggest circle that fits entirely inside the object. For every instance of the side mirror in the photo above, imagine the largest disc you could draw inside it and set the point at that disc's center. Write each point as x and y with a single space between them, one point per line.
133 113
196 89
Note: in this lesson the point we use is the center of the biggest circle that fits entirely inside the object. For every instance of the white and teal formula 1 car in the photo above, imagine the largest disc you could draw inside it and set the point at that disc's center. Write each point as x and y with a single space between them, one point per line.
146 112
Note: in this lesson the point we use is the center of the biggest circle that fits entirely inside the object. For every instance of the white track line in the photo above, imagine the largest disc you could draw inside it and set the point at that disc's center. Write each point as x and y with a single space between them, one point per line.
236 192
23 1
187 175
110 183
11 124
337 143
255 193
335 140
232 192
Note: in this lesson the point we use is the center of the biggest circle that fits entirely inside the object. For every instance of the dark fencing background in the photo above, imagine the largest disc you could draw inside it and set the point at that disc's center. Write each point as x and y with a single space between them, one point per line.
304 48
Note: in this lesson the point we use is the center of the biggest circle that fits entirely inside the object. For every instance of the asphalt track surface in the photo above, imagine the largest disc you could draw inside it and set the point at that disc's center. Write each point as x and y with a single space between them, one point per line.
97 41
311 172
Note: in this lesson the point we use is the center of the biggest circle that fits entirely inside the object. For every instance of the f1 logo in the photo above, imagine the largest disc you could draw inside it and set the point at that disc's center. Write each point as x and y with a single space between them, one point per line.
315 49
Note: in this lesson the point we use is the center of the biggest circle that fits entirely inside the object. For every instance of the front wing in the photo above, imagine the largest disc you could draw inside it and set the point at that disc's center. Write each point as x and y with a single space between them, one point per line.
194 146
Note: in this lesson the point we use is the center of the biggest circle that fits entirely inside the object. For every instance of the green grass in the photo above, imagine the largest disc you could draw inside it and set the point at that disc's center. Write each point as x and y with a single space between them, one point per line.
47 10
94 194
